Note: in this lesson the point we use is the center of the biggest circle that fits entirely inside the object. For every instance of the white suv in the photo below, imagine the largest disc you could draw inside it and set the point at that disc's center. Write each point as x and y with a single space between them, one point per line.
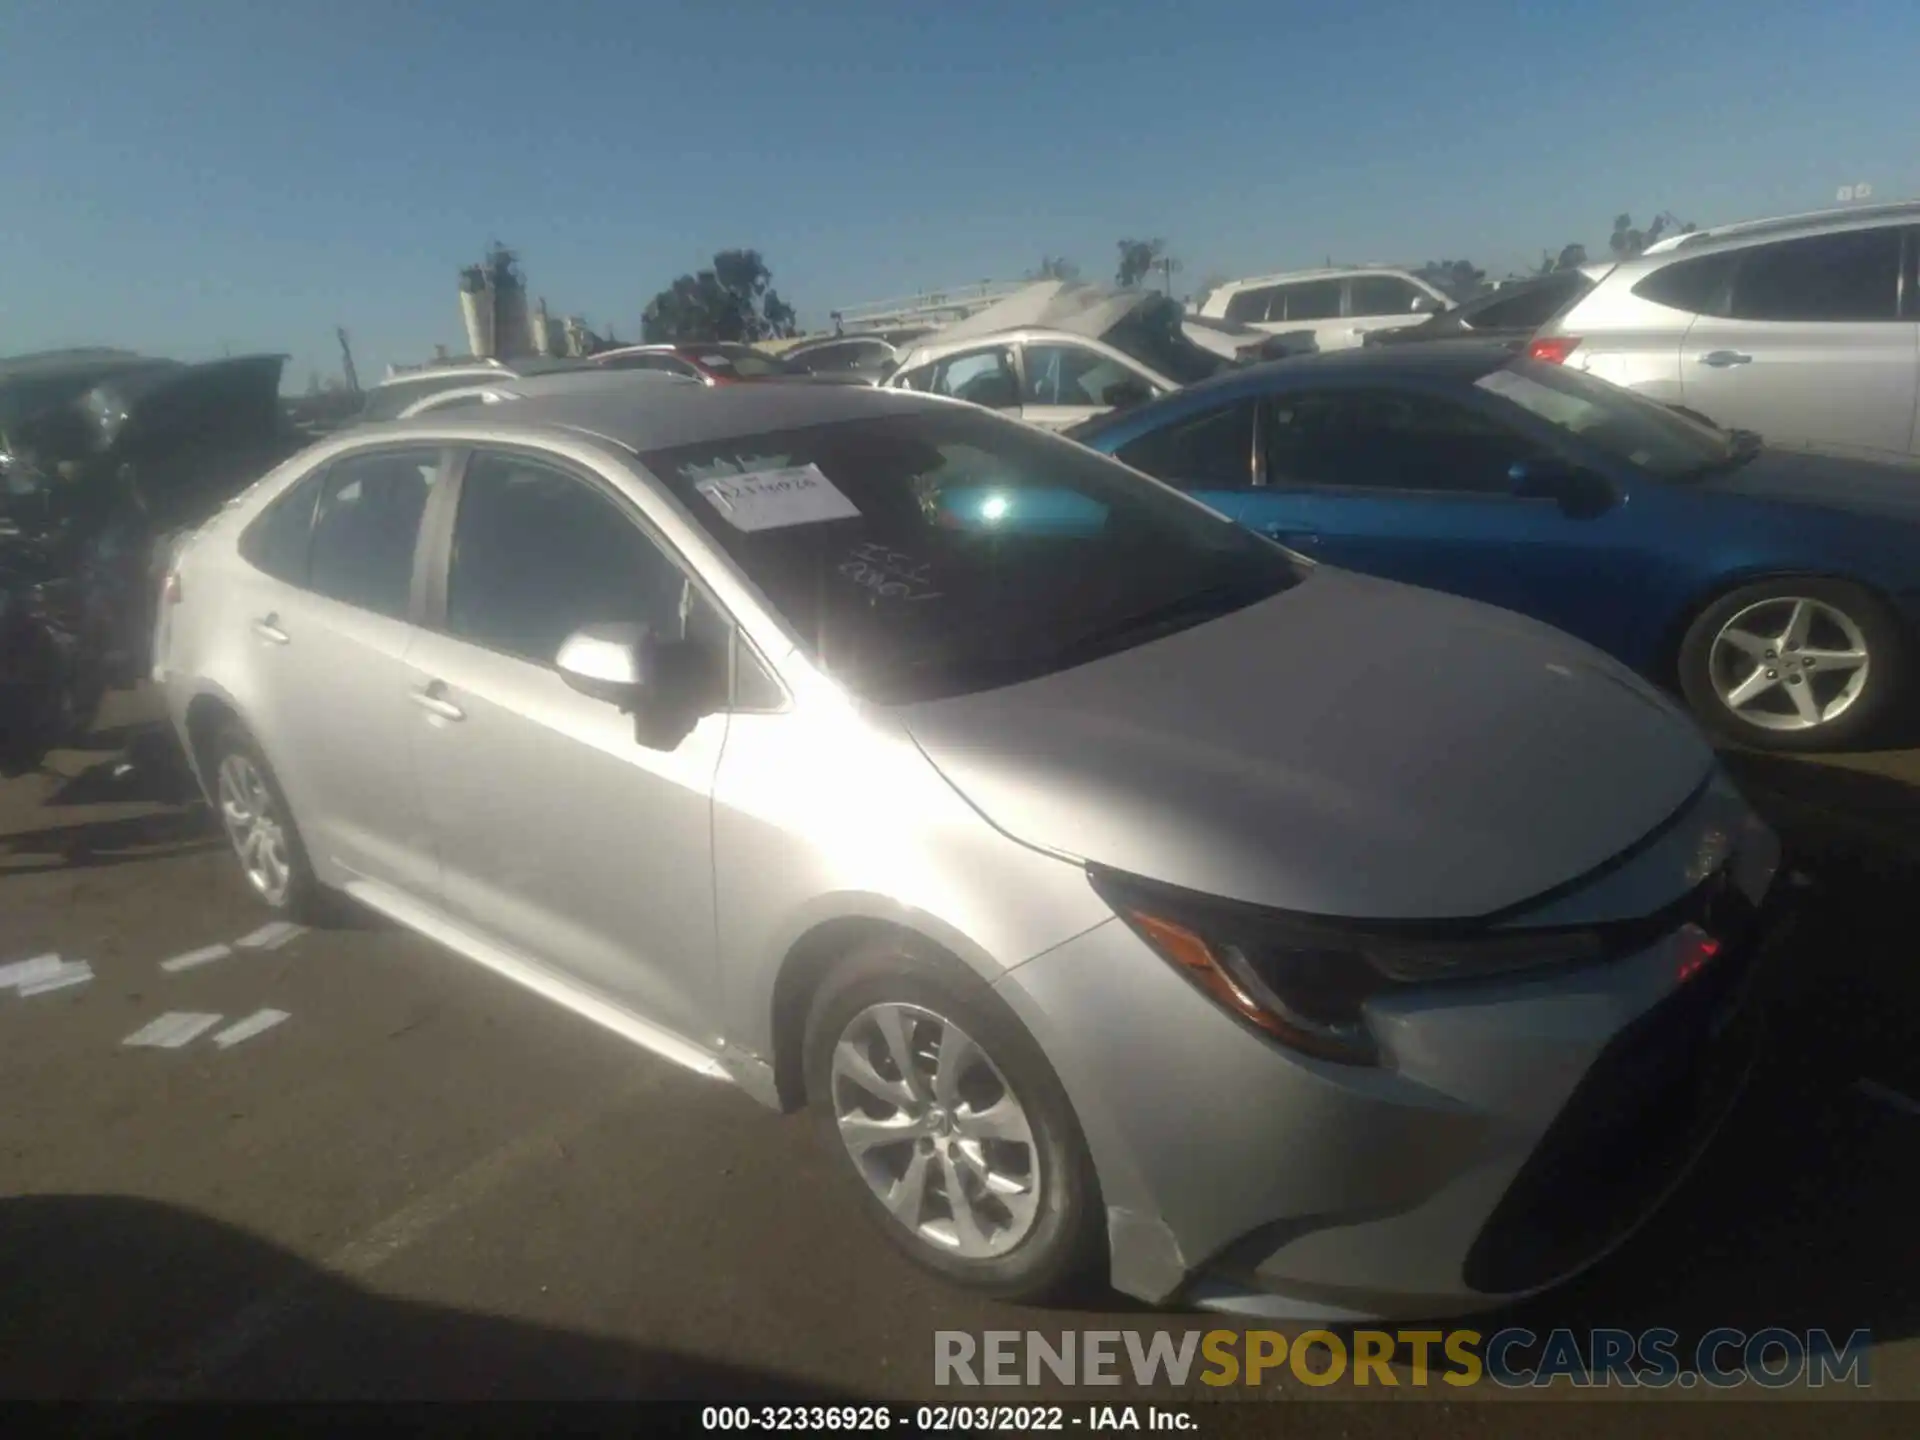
1337 307
1805 329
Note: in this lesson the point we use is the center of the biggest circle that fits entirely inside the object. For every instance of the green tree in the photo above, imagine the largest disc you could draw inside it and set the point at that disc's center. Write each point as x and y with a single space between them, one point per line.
735 300
1461 279
1571 257
1627 242
1138 259
1054 267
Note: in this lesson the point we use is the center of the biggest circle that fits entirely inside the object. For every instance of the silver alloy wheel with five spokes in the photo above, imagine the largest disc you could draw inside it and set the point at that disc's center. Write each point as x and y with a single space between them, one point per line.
1789 662
936 1131
254 826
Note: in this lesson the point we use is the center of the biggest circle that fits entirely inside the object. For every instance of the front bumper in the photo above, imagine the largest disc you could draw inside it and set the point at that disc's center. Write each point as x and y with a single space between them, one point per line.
1517 1132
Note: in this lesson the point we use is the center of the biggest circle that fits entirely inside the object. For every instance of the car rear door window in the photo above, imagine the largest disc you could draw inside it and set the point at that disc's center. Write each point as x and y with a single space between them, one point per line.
1697 286
539 553
1308 300
1250 307
367 526
1850 276
1211 450
1388 440
1381 295
1528 310
276 542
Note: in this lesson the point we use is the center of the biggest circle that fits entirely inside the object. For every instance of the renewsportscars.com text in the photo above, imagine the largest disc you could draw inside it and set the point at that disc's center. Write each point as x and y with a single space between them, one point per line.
1723 1358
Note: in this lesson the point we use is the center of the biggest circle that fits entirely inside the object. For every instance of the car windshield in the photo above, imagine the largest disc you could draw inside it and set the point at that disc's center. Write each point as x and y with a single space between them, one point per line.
1152 335
936 553
741 362
1629 427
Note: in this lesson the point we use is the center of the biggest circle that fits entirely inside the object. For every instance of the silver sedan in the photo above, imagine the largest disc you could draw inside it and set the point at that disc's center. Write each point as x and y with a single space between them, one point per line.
1119 892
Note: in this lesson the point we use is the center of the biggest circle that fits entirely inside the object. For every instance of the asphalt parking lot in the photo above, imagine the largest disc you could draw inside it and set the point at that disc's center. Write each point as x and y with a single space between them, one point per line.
379 1171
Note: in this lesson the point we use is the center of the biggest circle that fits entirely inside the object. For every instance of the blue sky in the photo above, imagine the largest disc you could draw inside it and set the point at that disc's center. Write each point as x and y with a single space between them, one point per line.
209 175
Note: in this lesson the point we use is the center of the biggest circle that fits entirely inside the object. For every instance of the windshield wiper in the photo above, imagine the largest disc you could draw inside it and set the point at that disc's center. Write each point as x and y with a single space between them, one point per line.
1742 446
1193 608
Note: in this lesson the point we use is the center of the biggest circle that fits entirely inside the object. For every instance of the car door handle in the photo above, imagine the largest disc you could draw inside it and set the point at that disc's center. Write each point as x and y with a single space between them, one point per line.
432 698
267 627
1721 359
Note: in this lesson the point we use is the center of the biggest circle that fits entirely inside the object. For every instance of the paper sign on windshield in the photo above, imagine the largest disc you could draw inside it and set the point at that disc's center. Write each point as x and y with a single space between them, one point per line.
773 499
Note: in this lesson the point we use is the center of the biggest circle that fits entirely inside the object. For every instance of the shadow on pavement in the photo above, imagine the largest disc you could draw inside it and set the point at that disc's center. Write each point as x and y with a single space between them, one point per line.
128 1302
146 767
92 843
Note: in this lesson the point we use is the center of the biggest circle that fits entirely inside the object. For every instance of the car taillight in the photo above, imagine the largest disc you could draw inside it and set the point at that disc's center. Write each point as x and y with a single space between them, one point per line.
1554 349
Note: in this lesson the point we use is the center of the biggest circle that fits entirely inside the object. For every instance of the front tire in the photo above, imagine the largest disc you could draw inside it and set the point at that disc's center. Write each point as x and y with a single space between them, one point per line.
952 1125
1795 665
259 824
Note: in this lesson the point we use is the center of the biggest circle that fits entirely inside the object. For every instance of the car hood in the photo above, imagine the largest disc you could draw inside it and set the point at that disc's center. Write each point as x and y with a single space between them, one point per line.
1350 747
1830 479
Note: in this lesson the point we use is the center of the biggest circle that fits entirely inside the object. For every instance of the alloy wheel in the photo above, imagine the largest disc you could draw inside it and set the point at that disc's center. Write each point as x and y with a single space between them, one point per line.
936 1131
1789 662
254 826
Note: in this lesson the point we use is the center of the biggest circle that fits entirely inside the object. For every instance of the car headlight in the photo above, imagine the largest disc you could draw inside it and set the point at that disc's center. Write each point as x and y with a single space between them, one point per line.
1306 982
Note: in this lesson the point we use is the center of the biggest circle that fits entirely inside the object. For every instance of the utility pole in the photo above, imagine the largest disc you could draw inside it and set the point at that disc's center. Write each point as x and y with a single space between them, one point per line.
1166 265
346 360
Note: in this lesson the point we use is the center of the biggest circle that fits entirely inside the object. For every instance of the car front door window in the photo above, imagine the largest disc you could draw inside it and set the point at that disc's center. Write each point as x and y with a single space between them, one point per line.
1209 451
1072 375
980 377
1380 295
1389 440
539 554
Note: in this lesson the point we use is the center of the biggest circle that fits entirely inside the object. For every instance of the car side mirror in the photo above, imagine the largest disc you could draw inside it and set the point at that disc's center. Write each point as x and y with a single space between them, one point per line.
609 662
1125 393
666 685
1425 305
1574 488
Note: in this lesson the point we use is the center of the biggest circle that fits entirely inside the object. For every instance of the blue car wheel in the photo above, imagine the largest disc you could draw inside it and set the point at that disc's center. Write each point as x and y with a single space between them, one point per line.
1795 664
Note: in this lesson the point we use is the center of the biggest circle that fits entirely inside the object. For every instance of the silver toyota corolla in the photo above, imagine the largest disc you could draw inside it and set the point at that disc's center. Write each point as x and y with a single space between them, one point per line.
1113 886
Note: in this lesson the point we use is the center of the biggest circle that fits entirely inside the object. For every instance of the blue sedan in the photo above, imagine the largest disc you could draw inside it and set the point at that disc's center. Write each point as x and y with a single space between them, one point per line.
1778 589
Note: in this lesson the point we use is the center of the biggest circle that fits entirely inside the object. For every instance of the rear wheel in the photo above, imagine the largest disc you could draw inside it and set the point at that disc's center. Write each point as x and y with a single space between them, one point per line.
254 813
1794 664
953 1126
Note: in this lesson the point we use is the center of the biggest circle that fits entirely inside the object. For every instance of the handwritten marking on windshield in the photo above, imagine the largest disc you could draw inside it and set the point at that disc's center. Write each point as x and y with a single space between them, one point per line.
888 573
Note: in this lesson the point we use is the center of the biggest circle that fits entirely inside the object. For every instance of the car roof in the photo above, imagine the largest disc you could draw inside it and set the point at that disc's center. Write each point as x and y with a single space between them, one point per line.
646 415
1720 238
1464 360
1324 272
482 370
1846 217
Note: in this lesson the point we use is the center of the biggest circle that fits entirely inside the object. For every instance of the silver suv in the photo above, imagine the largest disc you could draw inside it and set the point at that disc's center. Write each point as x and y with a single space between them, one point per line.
1805 329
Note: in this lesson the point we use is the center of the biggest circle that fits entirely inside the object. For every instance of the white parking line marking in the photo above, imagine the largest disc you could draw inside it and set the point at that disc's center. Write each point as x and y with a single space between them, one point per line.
219 1348
172 1030
204 955
76 972
1886 1095
25 972
246 1029
270 936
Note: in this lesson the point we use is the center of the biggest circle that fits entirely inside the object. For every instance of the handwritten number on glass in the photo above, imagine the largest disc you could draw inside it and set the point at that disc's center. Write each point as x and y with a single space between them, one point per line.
889 574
